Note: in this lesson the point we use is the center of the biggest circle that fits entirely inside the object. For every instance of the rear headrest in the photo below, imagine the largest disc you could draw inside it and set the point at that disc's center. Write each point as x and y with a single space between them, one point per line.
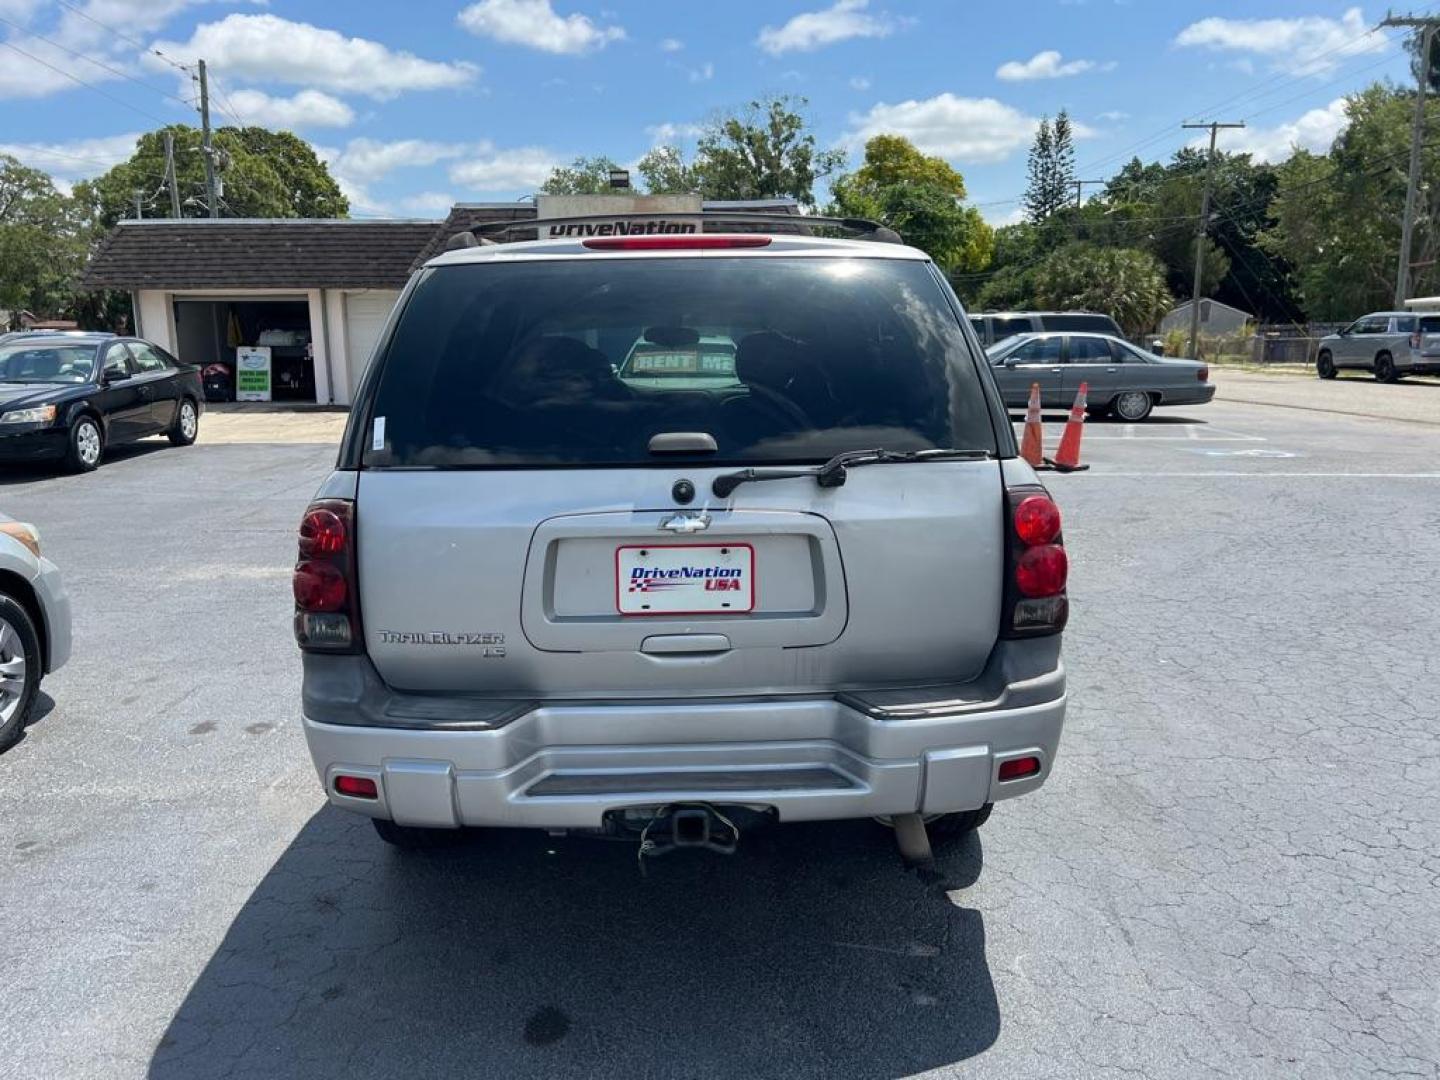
768 359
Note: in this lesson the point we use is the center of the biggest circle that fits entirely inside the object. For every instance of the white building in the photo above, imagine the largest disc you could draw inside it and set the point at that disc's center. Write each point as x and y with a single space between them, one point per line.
1215 318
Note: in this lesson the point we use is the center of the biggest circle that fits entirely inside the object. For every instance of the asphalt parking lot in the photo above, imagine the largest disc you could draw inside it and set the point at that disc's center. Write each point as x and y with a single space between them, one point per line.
1235 870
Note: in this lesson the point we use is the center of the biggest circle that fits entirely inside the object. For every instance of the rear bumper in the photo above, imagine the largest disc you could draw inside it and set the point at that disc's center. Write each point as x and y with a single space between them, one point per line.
1198 395
55 602
568 764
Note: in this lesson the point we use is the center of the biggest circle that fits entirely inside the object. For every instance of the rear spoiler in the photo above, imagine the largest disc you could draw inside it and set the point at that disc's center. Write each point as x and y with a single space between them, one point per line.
860 228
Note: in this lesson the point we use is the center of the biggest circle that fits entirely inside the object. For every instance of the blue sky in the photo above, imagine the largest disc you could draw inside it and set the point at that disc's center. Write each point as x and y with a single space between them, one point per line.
421 103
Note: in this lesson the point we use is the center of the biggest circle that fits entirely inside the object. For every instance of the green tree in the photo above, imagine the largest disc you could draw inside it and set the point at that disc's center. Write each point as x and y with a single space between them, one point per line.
919 197
42 241
1124 283
264 174
1336 217
583 176
1050 168
764 151
665 172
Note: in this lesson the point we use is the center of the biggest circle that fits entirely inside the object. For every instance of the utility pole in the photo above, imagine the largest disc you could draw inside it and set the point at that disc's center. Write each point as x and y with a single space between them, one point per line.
1079 186
1200 227
211 196
139 197
170 174
1426 26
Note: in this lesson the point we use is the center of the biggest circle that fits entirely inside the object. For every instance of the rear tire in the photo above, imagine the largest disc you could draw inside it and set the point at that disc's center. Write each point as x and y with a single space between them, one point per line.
187 424
1385 368
1132 406
1325 365
948 828
411 838
87 445
20 670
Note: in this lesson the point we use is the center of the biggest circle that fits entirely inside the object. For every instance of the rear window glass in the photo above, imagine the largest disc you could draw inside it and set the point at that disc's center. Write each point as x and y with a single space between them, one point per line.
1005 328
1094 324
1430 324
582 362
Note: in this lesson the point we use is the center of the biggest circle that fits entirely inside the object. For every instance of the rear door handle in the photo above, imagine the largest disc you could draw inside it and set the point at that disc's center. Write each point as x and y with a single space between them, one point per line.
1111 370
681 644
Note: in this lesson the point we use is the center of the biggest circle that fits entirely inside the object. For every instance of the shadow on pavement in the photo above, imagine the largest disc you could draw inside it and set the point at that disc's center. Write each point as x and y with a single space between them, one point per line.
811 952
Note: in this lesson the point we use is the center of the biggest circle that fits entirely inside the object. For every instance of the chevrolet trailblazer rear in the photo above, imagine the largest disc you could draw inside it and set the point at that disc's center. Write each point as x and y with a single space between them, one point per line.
663 536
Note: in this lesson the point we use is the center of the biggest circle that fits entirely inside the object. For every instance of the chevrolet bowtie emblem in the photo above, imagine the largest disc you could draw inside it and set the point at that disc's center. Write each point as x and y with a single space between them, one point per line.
686 524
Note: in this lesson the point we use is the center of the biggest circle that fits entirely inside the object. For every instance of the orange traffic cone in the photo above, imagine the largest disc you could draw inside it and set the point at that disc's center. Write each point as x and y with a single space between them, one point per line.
1067 458
1031 446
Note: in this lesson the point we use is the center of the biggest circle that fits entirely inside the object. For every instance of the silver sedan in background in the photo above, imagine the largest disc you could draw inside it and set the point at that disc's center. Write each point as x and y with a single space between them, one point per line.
1123 380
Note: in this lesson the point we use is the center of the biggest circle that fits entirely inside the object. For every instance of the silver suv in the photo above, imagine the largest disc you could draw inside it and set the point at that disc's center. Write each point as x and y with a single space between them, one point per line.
534 593
1388 343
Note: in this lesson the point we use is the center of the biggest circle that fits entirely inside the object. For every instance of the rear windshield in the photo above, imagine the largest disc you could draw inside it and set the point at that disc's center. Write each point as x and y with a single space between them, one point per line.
1094 324
582 362
1430 324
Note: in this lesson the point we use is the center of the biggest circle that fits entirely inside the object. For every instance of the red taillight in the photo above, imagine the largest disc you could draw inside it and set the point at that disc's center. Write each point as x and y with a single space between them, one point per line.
362 787
327 609
1203 374
1018 768
321 533
674 242
1041 571
1036 567
319 586
1037 520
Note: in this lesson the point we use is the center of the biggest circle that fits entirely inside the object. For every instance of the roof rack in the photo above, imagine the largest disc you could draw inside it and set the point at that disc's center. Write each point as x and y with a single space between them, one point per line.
858 227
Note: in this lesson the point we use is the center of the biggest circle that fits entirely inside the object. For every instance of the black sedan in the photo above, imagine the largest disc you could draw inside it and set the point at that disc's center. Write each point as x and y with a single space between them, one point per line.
66 397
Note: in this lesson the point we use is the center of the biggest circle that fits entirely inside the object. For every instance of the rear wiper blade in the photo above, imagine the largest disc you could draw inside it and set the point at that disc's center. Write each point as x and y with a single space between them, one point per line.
834 472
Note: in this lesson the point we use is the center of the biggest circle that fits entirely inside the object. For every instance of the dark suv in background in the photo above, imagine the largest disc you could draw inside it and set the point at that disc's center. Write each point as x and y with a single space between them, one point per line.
992 327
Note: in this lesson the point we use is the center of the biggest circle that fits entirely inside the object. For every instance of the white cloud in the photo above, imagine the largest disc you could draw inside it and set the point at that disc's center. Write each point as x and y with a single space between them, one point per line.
428 203
1307 45
671 44
813 30
704 73
74 159
18 10
969 130
859 82
267 48
307 109
493 170
1047 65
1314 131
997 215
534 23
367 160
670 133
1114 116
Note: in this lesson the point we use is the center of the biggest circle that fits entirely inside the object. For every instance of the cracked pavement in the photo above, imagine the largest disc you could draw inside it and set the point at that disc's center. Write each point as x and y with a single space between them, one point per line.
1234 871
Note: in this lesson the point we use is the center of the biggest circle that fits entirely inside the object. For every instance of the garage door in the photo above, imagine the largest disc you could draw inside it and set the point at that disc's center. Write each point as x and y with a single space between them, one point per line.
365 315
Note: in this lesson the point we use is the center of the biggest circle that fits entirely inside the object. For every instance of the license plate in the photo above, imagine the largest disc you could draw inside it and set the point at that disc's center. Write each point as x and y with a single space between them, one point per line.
685 579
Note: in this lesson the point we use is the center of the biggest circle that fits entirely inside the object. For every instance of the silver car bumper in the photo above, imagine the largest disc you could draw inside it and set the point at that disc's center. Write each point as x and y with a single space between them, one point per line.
564 765
55 602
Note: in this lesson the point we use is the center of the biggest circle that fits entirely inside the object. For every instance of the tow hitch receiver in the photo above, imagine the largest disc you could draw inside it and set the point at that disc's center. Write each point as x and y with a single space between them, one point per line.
688 825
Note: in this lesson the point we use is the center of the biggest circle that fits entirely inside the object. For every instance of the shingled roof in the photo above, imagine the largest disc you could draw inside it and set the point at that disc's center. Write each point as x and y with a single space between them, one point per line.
280 253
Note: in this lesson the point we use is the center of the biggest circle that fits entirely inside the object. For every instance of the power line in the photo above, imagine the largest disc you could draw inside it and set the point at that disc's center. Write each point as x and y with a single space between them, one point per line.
82 82
125 37
225 105
98 63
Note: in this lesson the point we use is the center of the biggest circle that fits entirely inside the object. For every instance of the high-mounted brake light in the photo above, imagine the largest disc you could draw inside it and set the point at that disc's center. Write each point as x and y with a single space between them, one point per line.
674 242
1036 566
327 608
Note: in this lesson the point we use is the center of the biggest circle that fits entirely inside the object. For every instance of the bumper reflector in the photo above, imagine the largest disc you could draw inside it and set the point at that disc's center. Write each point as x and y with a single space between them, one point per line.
357 787
1019 768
